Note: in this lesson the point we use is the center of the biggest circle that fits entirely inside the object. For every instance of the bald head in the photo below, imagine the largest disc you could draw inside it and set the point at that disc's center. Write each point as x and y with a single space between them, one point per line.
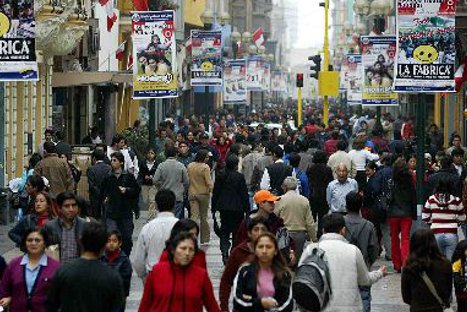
342 172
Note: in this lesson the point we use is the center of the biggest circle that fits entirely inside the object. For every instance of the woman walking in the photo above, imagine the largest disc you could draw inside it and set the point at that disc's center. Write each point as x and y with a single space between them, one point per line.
27 278
265 284
360 156
402 209
199 175
444 212
426 265
186 287
230 198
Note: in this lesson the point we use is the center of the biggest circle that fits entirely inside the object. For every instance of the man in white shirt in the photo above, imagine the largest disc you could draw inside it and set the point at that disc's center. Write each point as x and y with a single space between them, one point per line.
117 145
151 239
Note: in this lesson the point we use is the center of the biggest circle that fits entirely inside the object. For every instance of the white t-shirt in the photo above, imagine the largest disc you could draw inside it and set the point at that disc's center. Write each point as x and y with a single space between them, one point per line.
361 157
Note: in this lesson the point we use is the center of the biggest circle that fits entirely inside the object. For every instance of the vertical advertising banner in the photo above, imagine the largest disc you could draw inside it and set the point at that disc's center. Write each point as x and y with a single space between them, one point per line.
378 54
155 65
235 90
426 46
255 73
207 58
266 83
351 78
278 82
17 41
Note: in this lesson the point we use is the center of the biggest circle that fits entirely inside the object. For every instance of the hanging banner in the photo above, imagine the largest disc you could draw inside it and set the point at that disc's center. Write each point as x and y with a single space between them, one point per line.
206 69
155 65
351 78
278 81
266 83
426 46
235 90
254 73
378 53
18 42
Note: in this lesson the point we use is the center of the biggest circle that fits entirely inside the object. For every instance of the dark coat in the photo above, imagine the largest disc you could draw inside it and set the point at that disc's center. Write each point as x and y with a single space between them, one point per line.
404 202
96 175
28 222
246 296
122 266
144 171
54 230
416 293
120 205
230 193
319 176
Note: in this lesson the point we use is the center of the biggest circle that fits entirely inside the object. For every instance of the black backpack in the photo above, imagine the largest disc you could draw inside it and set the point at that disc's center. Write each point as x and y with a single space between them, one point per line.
312 285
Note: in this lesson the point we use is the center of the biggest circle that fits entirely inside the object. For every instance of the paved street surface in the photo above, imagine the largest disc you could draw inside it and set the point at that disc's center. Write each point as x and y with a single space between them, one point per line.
386 293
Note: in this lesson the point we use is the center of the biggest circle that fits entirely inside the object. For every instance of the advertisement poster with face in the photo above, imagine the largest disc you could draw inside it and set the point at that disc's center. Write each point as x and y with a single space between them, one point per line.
17 41
155 67
255 73
426 46
206 69
235 90
266 83
378 54
351 78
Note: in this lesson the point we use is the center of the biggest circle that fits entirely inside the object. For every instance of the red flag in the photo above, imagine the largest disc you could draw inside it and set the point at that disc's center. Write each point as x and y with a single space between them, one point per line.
129 63
120 52
111 15
188 45
141 5
258 37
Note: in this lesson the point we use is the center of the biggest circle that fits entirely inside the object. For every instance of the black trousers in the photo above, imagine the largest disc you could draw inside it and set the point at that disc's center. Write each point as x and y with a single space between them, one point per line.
230 221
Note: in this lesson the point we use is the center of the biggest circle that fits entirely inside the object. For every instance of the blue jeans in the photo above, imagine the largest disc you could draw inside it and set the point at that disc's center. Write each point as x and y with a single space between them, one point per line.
447 243
365 294
179 210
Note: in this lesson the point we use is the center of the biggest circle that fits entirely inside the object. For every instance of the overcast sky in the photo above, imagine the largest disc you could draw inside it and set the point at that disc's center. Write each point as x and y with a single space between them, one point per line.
311 24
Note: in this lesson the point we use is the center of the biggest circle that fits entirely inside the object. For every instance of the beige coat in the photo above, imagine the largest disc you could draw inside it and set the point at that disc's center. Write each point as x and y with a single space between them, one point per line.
199 175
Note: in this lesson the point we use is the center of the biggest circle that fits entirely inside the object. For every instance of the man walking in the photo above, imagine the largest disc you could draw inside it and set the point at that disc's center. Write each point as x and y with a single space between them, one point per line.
87 284
66 230
275 174
339 157
339 188
295 210
361 233
96 175
151 239
172 175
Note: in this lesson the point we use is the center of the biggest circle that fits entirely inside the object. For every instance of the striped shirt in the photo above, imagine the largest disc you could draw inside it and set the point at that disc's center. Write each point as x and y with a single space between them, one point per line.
444 214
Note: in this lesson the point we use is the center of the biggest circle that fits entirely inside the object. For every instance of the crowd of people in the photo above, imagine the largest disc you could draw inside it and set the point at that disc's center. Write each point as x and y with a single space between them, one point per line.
274 195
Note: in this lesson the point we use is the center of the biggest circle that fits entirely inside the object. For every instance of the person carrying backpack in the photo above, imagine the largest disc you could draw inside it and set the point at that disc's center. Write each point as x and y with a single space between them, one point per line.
361 233
345 276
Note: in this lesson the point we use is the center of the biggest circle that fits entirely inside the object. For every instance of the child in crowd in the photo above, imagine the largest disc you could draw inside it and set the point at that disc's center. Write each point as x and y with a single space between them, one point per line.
460 276
118 261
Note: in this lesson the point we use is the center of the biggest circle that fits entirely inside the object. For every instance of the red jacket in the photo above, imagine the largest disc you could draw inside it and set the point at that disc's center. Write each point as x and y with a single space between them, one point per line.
199 259
330 146
239 255
172 288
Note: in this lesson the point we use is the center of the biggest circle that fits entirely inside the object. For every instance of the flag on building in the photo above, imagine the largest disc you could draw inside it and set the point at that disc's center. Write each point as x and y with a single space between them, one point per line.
120 52
111 15
188 45
258 37
141 5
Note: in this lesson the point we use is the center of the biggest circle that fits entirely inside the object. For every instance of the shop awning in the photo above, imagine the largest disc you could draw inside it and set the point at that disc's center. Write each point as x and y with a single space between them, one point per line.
70 79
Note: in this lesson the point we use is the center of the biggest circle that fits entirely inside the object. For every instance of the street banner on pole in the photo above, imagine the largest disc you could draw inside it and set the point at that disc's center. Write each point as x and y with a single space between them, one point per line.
235 90
266 83
426 46
154 48
206 69
278 81
378 54
351 78
254 73
17 39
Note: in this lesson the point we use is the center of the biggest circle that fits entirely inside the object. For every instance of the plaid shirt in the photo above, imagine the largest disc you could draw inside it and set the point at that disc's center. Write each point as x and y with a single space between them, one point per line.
69 244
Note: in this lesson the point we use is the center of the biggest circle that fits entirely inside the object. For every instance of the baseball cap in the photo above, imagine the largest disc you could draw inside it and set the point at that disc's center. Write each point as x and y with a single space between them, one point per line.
264 196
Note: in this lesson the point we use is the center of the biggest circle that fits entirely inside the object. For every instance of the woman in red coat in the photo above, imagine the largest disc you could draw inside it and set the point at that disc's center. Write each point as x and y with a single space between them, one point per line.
185 287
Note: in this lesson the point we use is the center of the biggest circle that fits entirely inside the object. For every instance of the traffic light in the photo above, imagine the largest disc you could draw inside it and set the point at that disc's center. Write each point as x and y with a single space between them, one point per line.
299 80
316 59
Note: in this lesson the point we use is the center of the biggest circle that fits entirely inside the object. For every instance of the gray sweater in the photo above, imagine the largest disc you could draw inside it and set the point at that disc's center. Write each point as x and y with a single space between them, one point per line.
172 175
362 234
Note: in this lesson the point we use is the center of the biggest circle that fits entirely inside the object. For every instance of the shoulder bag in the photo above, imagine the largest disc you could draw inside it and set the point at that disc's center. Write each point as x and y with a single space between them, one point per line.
446 306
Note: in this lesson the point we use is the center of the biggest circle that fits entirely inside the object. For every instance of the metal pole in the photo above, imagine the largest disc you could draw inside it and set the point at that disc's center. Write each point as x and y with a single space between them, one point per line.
206 113
420 152
299 108
2 136
152 123
326 60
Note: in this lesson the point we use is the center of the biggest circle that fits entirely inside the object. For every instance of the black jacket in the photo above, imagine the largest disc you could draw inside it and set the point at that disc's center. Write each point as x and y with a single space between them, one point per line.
230 193
144 171
319 176
120 205
54 230
246 297
28 222
122 266
404 202
277 173
96 175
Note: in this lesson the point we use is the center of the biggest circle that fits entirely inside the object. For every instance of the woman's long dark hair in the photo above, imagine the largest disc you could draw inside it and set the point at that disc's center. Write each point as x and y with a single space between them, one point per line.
423 250
279 265
459 253
401 175
172 244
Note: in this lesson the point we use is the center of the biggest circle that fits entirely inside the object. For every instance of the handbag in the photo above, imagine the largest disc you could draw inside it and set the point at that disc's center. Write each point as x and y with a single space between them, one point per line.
446 306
